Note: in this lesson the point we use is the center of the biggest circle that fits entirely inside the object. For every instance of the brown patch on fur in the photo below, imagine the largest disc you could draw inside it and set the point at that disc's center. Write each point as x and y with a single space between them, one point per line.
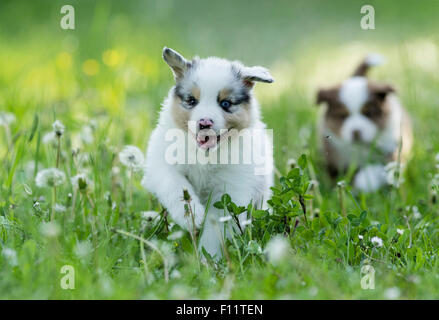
196 93
377 112
328 95
180 115
377 108
336 112
224 94
240 119
335 115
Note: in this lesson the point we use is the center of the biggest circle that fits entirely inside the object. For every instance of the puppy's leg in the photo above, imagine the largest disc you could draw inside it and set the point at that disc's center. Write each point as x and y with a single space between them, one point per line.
213 232
370 178
212 236
167 184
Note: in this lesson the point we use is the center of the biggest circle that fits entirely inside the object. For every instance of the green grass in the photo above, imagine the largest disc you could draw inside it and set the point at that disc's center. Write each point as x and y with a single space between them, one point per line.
44 76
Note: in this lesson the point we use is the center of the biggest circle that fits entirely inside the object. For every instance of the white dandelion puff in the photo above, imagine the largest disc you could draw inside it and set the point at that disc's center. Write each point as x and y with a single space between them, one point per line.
49 138
83 249
58 128
277 249
83 159
415 210
81 182
51 177
393 174
50 229
341 184
292 163
392 293
59 207
376 241
360 237
150 215
132 157
86 134
400 231
175 274
6 118
29 169
115 171
10 256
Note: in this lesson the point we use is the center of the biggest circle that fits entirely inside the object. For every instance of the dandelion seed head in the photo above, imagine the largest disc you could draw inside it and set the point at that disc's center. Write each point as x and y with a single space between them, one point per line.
6 118
58 128
175 274
49 138
29 169
51 177
393 174
59 207
376 241
115 171
292 163
50 229
86 134
150 215
81 182
10 256
392 293
132 157
106 286
83 249
36 205
277 249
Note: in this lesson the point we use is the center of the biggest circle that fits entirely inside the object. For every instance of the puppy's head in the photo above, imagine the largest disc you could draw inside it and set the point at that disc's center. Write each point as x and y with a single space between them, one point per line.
214 94
357 110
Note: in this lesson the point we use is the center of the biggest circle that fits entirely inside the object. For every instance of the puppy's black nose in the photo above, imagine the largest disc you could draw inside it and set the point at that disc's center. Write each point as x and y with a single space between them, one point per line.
205 123
356 135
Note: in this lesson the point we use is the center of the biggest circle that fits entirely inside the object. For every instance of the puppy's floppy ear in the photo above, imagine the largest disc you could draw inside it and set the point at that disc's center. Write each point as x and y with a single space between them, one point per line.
326 95
257 73
176 61
380 90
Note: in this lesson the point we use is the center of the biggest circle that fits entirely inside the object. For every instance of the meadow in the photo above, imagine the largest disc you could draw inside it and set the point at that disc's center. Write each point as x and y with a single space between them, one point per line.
104 82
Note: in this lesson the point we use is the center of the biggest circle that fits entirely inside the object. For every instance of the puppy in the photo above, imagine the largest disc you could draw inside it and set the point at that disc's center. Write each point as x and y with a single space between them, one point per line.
365 126
206 111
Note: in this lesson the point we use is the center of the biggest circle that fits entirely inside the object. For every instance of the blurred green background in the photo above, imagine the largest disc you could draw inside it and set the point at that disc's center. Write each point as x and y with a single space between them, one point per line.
111 63
109 70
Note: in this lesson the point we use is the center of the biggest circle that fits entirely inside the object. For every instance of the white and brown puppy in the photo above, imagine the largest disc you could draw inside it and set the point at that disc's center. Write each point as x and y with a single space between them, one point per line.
212 97
363 125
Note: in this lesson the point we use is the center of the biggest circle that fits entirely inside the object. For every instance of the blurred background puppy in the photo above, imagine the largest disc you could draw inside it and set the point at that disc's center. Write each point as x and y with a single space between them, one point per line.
363 127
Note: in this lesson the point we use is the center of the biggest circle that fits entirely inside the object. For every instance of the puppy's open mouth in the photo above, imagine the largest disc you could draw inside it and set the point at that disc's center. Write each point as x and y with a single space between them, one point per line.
208 138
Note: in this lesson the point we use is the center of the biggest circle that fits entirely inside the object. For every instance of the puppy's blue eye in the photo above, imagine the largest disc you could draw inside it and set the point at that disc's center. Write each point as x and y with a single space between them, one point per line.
225 104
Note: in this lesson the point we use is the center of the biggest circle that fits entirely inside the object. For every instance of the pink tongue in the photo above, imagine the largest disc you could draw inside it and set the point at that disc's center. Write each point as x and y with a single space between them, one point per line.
207 139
